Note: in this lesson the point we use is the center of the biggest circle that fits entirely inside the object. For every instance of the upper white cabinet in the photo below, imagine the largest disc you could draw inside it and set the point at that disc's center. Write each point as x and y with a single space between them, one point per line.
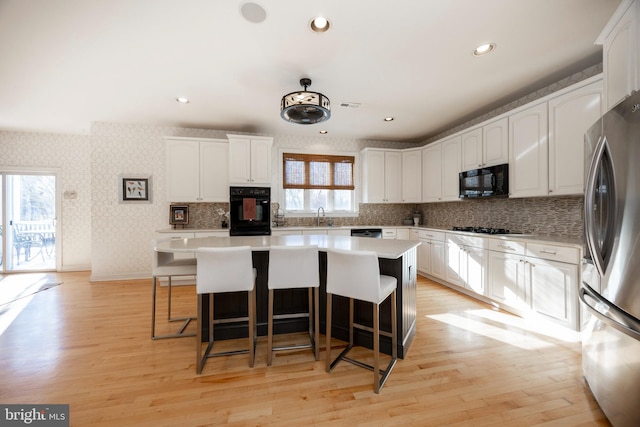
432 173
570 116
620 40
486 146
412 176
250 160
440 169
528 152
382 176
451 168
197 170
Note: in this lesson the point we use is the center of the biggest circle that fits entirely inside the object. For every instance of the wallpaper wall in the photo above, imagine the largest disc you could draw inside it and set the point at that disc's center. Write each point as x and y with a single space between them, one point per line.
70 154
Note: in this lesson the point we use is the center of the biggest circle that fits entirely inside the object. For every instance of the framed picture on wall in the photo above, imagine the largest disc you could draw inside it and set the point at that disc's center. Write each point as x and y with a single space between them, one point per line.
178 215
134 188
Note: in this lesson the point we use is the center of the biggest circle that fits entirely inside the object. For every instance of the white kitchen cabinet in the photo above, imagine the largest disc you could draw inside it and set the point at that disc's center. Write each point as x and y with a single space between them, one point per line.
339 232
451 168
431 253
620 40
570 116
412 176
197 170
403 234
389 233
314 232
486 146
535 276
215 233
529 151
286 232
440 170
432 173
249 160
381 176
466 262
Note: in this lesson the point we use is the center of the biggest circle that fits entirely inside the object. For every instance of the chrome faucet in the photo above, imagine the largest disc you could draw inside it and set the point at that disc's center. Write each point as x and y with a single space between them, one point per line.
319 214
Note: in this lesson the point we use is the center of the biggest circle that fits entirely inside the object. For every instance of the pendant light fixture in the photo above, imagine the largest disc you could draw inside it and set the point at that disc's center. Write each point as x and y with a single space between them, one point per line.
305 107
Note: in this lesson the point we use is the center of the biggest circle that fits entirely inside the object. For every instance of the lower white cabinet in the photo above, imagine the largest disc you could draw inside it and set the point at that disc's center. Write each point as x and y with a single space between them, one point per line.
535 276
285 232
431 253
466 262
339 232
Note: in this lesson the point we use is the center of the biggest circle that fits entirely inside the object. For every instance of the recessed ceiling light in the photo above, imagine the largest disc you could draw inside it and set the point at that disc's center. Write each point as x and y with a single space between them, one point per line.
389 119
319 24
182 100
323 132
484 49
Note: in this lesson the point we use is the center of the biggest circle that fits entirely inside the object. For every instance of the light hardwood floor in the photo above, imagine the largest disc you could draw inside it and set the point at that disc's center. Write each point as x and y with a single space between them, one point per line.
88 345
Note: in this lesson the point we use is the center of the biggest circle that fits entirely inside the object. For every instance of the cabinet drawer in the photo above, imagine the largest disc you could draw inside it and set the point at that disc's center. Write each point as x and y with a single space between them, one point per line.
431 235
515 247
553 252
389 233
464 240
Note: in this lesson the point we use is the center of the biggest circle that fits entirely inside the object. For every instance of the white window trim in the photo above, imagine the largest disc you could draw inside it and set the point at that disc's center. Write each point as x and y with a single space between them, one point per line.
278 195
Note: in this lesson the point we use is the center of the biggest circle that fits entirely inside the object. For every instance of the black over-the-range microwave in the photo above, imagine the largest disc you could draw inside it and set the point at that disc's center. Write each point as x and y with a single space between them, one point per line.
492 181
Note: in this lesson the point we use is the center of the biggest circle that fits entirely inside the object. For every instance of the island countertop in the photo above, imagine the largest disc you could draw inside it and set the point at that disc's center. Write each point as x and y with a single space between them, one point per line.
384 248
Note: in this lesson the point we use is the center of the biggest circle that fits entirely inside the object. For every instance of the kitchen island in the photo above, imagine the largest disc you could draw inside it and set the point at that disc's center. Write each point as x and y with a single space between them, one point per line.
397 258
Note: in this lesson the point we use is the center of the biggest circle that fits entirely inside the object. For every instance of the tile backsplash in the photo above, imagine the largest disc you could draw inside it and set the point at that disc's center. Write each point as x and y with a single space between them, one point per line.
559 216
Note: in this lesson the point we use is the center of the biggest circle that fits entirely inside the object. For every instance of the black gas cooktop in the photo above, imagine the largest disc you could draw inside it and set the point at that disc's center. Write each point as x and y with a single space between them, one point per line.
483 230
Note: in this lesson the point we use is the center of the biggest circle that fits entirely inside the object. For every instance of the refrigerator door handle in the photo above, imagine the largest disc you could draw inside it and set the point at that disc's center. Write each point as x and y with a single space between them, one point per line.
589 206
613 317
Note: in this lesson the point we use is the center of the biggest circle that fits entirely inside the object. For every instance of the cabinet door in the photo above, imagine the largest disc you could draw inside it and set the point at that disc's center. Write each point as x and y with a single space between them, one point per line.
472 150
261 161
455 265
528 152
183 176
451 158
495 138
432 173
239 160
424 256
475 270
393 176
570 116
373 176
554 290
214 172
438 259
620 57
412 176
506 279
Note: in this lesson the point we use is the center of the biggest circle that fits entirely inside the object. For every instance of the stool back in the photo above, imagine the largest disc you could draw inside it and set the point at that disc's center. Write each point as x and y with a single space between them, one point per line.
224 270
294 267
354 274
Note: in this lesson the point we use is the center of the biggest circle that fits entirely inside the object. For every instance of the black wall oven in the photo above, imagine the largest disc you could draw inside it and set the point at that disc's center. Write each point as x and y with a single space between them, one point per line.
250 211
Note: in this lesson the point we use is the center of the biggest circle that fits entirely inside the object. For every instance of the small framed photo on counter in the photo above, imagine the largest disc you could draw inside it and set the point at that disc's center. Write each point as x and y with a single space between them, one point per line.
178 215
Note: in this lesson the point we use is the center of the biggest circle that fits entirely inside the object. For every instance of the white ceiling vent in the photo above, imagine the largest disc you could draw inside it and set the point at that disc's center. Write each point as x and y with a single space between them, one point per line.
349 104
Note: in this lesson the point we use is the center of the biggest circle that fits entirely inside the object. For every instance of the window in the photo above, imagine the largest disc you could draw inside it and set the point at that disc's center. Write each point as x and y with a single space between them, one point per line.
311 181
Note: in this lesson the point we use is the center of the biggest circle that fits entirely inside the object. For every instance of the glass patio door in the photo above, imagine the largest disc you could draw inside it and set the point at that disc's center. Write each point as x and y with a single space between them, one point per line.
29 229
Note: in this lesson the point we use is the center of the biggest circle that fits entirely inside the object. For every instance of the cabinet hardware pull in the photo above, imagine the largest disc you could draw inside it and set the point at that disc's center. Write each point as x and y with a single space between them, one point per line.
502 245
544 251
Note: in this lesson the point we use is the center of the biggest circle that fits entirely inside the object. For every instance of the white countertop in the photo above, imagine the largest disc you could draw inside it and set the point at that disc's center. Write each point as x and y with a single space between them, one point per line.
385 248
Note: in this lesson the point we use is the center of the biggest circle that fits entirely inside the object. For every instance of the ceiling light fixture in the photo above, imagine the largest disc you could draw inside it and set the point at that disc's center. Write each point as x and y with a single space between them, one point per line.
484 49
319 24
389 119
182 100
305 107
324 132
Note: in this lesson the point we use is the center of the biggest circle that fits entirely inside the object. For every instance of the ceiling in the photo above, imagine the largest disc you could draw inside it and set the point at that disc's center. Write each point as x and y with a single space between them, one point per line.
67 63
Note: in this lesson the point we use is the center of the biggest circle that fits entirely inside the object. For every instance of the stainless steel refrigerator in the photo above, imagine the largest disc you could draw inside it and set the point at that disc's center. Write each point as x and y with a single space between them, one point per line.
610 288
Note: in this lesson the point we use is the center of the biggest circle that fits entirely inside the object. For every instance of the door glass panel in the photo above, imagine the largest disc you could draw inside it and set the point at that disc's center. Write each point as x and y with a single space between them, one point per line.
30 217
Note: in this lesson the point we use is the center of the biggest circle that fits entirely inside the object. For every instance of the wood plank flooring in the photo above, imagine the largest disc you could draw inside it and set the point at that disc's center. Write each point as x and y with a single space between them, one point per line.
88 345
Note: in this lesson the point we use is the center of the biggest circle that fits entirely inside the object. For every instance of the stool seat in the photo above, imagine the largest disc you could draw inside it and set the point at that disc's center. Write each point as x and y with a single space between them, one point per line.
165 264
222 270
356 275
295 267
